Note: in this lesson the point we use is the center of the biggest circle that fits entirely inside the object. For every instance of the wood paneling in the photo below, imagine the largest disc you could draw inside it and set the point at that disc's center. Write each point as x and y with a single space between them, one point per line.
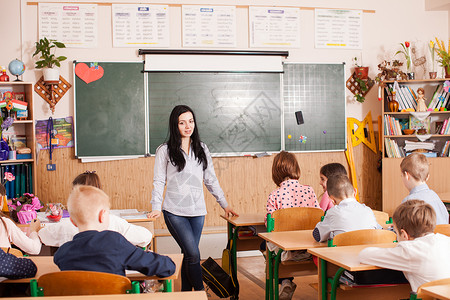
246 181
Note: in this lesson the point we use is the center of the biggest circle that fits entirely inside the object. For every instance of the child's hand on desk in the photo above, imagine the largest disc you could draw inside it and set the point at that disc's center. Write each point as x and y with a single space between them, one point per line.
229 212
154 214
35 225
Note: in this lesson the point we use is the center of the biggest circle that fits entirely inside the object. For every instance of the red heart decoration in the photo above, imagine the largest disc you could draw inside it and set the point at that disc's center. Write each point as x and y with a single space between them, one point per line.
87 74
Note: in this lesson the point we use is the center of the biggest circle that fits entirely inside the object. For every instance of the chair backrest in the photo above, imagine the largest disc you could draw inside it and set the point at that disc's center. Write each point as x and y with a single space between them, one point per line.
296 218
381 216
420 295
71 283
364 236
442 229
13 251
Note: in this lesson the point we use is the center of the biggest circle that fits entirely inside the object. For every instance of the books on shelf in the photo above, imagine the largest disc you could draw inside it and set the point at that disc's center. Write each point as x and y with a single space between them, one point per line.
394 126
23 181
392 149
411 146
444 152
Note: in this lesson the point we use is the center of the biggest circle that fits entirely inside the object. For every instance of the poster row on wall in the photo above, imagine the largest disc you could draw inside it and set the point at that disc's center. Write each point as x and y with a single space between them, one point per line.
141 25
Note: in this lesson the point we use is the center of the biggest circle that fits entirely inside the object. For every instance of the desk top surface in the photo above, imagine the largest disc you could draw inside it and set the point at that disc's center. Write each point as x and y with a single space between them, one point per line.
292 240
438 291
199 295
46 265
245 219
347 256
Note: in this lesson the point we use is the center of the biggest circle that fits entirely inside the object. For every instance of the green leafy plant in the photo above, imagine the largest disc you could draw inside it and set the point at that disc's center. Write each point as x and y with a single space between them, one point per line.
46 50
443 55
407 53
363 88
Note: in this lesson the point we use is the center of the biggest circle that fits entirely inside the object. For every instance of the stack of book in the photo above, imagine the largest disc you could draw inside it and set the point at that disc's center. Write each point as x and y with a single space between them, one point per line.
394 126
405 96
23 179
392 149
444 152
440 98
445 129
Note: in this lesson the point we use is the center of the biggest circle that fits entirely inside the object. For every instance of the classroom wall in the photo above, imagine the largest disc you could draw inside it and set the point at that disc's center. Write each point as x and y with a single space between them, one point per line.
246 181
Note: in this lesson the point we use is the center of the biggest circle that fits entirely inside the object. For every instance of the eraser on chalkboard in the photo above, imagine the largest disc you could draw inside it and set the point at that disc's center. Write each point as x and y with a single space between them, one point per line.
299 117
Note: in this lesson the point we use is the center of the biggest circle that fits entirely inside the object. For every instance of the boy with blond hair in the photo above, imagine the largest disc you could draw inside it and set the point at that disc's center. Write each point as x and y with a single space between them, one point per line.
415 172
97 249
347 215
421 254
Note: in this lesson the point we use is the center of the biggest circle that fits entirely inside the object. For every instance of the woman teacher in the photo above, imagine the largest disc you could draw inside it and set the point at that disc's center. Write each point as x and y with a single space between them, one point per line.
184 164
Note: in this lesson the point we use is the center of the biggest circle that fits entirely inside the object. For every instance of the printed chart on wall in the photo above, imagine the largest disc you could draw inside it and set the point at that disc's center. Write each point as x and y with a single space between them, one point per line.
236 113
63 132
314 107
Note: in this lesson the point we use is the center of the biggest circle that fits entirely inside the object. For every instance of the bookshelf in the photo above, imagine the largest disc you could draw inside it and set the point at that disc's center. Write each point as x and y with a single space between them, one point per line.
22 128
393 190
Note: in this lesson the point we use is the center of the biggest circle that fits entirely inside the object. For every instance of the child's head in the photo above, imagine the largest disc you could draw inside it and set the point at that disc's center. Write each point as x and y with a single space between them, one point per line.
413 219
329 170
339 188
285 166
415 170
87 178
88 206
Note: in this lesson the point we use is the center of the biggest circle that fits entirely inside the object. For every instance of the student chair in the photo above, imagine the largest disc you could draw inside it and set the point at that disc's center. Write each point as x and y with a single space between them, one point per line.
442 229
294 218
13 251
287 219
421 296
382 217
364 236
73 283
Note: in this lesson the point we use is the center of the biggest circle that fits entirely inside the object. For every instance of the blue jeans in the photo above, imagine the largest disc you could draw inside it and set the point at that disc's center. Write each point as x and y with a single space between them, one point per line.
187 232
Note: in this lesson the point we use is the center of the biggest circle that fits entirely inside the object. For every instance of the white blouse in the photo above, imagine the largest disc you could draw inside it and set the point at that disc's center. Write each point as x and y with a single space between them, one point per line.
14 235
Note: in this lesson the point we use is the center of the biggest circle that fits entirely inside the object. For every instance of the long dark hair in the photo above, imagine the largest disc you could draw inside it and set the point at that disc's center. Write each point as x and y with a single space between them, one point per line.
174 142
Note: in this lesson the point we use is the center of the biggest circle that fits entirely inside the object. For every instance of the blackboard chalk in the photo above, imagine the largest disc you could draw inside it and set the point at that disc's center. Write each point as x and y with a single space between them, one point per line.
299 117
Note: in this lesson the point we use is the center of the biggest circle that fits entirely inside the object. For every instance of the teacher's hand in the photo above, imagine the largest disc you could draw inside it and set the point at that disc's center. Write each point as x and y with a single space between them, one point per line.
154 214
229 212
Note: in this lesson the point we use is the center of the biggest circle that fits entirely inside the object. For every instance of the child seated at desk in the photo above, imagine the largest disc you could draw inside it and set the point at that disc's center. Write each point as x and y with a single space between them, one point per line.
421 254
347 215
57 234
325 172
290 193
95 248
415 172
11 234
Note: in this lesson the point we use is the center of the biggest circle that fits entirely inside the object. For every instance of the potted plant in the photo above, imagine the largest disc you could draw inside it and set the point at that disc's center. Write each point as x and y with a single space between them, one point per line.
363 88
360 71
444 57
45 48
390 71
406 51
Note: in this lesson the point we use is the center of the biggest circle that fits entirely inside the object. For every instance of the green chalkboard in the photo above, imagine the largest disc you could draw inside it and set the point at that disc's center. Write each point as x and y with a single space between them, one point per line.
235 112
110 112
318 91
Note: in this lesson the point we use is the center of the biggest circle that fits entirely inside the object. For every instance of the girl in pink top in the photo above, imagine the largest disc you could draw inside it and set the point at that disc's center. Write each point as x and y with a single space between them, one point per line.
290 193
325 172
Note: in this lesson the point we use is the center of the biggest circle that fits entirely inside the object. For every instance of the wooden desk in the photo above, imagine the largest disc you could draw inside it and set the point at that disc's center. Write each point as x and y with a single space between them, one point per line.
338 259
200 295
46 265
287 241
437 291
243 243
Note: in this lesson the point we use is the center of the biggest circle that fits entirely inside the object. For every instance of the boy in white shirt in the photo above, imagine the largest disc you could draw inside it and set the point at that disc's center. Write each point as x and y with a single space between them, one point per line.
421 254
415 173
347 215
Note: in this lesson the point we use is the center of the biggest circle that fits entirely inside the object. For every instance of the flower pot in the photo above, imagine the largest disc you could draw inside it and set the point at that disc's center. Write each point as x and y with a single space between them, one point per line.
410 75
362 72
51 74
447 72
433 75
393 106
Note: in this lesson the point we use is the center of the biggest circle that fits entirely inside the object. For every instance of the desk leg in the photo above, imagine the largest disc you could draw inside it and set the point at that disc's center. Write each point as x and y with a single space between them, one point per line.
323 278
269 275
233 236
168 286
275 273
335 283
